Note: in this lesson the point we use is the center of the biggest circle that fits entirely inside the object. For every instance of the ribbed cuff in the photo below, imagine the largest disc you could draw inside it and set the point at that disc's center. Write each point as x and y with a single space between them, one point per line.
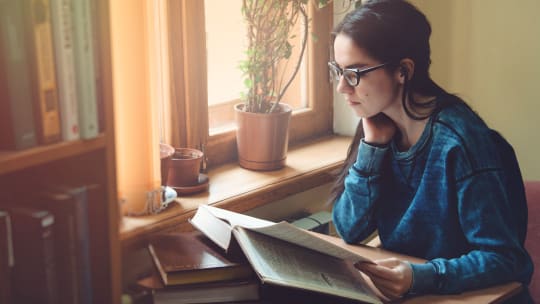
424 278
369 159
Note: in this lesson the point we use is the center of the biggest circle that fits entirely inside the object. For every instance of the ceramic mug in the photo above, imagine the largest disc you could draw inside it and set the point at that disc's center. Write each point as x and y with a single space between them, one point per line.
184 167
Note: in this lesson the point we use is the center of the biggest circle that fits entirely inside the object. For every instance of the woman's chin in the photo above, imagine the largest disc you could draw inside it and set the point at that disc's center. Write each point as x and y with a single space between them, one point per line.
361 114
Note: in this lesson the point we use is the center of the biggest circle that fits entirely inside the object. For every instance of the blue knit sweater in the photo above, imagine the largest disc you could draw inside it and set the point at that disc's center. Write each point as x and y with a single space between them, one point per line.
455 198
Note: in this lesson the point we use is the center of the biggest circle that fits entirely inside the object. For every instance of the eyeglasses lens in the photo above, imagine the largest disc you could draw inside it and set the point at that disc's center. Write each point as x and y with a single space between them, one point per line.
350 76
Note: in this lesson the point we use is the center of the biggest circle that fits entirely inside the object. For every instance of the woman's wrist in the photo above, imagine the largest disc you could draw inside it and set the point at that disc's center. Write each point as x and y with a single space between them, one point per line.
369 158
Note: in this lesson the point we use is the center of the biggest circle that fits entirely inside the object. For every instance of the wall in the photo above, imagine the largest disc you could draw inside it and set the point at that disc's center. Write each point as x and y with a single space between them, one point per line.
488 52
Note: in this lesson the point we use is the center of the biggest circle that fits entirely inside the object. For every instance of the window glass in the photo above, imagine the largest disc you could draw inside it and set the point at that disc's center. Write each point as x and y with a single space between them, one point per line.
206 42
226 43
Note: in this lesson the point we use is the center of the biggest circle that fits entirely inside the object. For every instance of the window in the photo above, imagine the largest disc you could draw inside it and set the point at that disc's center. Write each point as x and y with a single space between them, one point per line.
206 40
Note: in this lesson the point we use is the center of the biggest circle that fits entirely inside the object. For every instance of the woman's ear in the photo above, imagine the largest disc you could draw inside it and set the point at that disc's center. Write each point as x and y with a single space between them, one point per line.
406 70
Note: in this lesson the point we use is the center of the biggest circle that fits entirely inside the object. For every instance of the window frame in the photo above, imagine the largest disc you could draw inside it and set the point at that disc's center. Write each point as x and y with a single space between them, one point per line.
189 125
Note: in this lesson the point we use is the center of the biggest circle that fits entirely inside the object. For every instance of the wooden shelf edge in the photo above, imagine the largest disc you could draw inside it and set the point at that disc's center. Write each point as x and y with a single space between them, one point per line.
11 161
283 183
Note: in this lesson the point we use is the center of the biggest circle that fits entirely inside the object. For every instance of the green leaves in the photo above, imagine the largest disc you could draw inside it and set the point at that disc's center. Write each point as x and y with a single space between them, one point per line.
270 25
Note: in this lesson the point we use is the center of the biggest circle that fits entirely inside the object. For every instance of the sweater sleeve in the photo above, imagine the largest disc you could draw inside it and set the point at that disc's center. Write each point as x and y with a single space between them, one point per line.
497 254
353 210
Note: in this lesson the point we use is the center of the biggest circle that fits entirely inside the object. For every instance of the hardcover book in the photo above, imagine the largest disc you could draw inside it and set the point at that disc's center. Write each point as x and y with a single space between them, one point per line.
16 107
285 255
43 75
69 206
62 15
34 273
83 41
215 292
187 258
6 257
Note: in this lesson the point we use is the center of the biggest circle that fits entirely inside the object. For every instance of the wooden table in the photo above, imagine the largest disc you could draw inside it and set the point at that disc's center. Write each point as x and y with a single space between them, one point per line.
495 294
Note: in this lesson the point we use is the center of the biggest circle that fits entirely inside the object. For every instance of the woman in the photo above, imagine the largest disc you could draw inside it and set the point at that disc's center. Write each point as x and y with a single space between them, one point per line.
423 169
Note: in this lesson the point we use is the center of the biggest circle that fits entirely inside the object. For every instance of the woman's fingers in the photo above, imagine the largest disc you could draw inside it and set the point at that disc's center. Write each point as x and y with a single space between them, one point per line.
392 277
378 129
378 270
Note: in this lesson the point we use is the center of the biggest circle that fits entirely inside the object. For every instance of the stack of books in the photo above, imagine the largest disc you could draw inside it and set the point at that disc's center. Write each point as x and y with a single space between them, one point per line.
293 263
191 269
218 263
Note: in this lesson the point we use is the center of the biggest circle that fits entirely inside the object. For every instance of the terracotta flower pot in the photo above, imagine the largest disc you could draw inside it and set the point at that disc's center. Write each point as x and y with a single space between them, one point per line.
262 139
184 167
165 153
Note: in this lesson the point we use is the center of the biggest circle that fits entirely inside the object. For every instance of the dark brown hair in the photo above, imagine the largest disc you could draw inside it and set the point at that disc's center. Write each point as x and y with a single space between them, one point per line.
389 31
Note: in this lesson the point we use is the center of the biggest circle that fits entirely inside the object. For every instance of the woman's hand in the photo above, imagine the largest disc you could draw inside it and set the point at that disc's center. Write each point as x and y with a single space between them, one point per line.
393 277
378 129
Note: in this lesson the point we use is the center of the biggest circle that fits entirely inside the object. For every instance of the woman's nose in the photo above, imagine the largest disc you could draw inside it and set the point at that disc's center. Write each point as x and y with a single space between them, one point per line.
343 86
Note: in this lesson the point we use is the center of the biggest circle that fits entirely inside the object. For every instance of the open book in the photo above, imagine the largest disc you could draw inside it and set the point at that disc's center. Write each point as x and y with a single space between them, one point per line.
285 255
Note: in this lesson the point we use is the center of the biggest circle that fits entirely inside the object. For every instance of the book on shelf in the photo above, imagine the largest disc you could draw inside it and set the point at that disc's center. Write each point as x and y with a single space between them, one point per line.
189 257
69 206
65 67
6 257
215 292
83 43
43 73
34 274
285 255
17 129
97 213
96 25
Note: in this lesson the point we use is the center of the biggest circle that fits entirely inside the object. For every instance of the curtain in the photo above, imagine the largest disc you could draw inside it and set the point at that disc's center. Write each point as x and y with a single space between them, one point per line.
137 66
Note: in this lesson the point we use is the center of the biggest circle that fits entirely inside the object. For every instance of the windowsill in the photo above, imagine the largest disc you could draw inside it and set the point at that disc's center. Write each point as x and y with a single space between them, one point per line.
308 165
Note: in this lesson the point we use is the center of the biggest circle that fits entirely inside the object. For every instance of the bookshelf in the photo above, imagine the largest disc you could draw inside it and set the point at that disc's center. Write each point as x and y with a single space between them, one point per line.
89 161
13 161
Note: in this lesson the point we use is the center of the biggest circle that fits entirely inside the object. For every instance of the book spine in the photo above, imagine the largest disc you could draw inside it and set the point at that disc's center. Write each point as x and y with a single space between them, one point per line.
68 205
99 275
65 67
82 244
46 94
16 120
99 84
34 273
6 257
85 69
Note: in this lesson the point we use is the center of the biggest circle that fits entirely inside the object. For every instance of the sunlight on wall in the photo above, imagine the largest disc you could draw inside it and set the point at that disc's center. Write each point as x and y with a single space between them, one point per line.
487 51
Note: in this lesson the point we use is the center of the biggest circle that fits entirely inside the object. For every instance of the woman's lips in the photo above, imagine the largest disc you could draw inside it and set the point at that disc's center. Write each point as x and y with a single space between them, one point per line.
353 103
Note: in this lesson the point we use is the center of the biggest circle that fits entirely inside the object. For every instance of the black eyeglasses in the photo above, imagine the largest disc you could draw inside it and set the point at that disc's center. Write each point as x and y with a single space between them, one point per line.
352 76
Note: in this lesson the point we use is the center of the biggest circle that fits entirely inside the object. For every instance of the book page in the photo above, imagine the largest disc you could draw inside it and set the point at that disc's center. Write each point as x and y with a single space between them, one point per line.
290 233
237 219
214 228
286 264
283 231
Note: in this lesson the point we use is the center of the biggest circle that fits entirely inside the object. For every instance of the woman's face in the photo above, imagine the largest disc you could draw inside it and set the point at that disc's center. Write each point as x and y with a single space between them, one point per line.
378 91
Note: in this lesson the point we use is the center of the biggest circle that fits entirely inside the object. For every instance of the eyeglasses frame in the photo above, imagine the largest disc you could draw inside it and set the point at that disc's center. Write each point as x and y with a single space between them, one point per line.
359 72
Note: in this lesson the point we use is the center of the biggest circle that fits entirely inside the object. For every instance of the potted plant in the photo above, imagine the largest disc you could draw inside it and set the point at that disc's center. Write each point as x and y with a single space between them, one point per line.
262 119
